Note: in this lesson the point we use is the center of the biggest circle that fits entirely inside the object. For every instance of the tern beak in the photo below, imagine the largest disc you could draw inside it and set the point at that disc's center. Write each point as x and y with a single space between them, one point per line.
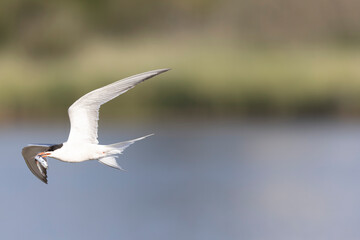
43 154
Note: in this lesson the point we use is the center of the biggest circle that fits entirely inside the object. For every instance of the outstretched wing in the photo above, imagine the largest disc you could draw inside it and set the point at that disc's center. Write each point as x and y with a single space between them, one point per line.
84 113
35 167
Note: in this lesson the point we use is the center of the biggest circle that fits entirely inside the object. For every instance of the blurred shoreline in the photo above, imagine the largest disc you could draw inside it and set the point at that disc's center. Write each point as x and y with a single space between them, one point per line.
211 78
239 59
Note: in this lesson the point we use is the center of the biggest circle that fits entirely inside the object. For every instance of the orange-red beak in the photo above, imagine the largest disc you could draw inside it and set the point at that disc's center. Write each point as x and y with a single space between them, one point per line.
44 154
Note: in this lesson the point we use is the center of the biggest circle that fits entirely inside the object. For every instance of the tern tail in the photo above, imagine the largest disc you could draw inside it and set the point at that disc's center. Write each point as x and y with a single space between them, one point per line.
118 148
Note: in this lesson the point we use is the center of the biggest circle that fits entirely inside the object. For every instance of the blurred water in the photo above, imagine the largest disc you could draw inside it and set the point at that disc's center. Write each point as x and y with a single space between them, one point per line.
221 180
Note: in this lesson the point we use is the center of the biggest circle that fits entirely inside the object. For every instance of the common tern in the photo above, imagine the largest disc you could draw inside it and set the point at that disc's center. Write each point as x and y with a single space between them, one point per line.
82 143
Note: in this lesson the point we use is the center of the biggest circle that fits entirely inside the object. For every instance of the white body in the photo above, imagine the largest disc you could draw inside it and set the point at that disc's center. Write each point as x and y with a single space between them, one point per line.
79 152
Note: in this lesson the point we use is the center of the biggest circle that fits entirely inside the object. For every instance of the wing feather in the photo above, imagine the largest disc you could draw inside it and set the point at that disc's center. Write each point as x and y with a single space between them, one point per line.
29 154
84 113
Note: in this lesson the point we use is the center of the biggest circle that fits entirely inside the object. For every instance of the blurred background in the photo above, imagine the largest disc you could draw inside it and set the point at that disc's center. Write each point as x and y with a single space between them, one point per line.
256 126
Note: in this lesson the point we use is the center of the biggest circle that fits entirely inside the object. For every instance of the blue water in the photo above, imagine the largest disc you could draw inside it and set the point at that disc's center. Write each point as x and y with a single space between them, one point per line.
220 180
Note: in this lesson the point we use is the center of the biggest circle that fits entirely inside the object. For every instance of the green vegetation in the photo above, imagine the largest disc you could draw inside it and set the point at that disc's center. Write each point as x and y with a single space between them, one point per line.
212 77
229 58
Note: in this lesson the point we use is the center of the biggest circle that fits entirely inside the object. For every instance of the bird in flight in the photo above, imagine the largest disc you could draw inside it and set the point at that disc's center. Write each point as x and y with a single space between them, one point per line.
82 143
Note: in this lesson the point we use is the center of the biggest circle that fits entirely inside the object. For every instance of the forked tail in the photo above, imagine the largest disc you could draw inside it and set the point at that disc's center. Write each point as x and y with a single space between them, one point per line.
118 148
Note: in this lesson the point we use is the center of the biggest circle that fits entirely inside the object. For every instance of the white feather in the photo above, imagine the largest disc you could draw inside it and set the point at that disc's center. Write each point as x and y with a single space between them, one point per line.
111 162
84 113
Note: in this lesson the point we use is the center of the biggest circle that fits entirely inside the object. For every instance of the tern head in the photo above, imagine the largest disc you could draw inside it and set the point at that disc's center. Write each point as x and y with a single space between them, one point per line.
50 151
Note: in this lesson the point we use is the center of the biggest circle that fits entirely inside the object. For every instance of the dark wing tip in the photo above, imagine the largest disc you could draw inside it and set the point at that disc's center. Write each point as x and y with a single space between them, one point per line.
163 70
160 71
150 74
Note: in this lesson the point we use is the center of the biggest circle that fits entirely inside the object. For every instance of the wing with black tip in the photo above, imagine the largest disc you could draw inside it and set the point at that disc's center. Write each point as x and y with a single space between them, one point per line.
84 113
